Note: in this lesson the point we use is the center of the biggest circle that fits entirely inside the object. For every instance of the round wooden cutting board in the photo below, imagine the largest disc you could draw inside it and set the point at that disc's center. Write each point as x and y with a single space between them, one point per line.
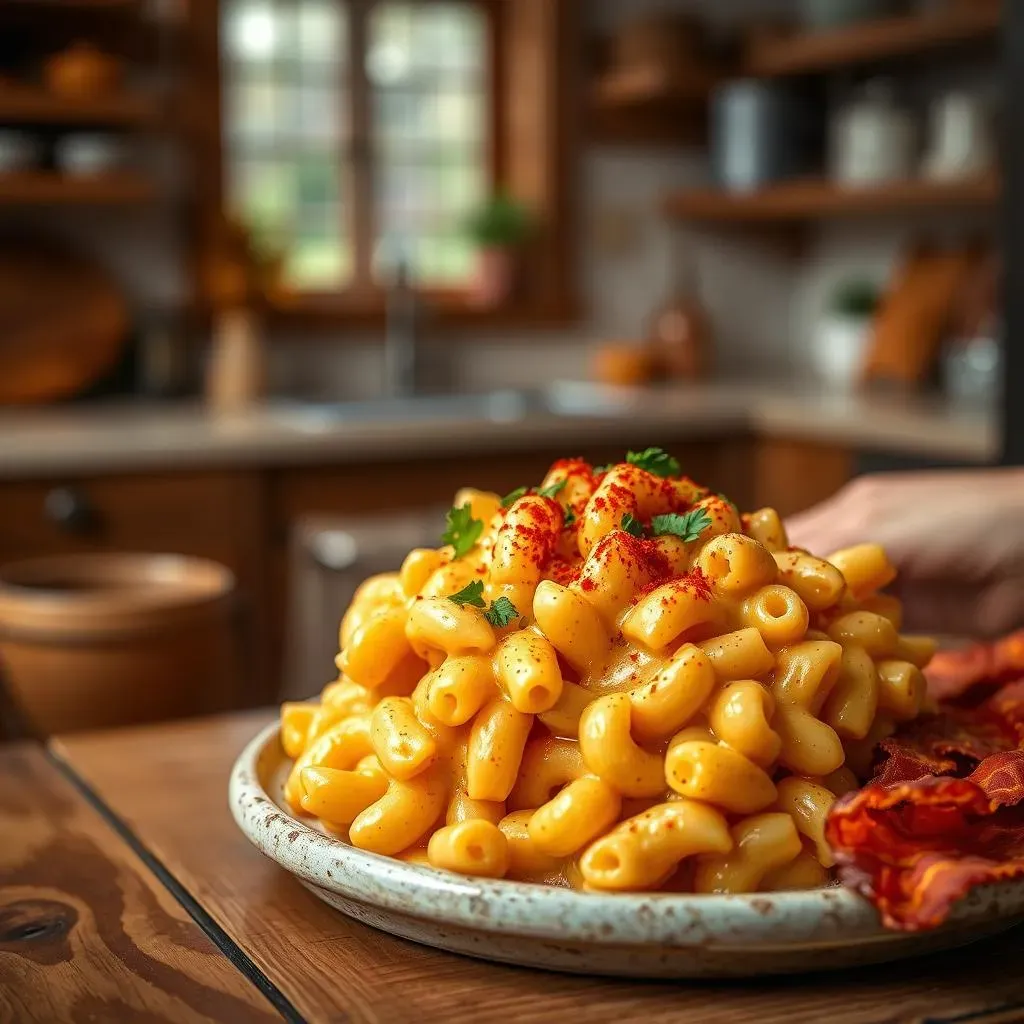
63 323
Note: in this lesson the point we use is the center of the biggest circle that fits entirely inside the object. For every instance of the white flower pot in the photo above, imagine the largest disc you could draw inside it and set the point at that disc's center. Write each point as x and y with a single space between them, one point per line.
840 344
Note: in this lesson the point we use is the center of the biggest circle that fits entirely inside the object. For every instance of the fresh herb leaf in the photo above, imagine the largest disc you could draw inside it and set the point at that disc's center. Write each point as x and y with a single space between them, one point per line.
598 470
463 530
552 489
632 525
471 594
501 612
570 518
688 527
513 496
655 461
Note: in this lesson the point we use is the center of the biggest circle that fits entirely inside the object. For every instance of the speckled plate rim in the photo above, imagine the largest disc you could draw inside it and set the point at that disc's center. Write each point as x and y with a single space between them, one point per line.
823 917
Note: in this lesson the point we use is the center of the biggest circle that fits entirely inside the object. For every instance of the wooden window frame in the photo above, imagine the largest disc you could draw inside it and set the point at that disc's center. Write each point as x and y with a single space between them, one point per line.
531 150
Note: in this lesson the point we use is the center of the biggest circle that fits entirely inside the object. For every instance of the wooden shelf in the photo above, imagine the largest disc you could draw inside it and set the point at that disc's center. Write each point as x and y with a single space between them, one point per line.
78 5
872 41
20 104
622 90
48 188
648 108
810 200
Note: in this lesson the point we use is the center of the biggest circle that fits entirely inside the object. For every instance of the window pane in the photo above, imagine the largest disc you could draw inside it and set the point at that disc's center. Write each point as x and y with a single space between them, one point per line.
322 36
284 127
427 69
251 31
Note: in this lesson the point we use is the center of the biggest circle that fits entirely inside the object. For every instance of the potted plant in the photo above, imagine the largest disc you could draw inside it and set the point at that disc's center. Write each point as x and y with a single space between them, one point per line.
843 332
498 229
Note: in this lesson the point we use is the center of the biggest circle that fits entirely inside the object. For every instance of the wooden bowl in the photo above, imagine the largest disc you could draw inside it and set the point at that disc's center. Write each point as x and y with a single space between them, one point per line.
96 641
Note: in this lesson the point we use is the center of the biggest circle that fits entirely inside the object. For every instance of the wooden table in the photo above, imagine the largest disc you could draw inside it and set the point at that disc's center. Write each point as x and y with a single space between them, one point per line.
128 894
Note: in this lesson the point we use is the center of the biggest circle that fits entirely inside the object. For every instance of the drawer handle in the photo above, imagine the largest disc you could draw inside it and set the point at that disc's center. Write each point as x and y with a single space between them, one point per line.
70 509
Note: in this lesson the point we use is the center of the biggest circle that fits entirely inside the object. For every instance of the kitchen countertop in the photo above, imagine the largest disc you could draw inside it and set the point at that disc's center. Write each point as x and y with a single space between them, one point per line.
160 436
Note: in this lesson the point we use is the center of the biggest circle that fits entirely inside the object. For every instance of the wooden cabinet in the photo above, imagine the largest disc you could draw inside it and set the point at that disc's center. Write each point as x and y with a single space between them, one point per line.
791 476
201 514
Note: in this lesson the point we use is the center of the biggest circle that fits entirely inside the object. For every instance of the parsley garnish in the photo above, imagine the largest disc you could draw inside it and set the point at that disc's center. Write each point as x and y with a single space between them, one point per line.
501 612
463 530
655 461
471 594
604 469
552 489
513 496
570 517
688 527
632 525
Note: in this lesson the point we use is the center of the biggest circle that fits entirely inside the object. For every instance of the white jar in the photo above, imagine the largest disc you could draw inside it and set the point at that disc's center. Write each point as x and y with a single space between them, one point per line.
840 343
873 141
961 142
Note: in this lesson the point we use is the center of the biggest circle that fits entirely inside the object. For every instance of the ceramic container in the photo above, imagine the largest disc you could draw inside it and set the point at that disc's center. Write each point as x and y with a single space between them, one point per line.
840 346
873 140
19 151
96 641
961 142
761 132
825 14
85 154
665 936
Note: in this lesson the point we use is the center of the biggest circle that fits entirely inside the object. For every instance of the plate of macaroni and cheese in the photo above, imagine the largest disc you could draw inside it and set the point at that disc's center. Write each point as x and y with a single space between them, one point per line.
602 728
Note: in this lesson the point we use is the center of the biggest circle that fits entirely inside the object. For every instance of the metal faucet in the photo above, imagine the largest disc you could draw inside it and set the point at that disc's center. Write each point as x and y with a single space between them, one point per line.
401 336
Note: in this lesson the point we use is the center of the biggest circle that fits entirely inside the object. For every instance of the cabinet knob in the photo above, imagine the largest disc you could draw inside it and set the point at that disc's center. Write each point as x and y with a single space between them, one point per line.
334 550
70 509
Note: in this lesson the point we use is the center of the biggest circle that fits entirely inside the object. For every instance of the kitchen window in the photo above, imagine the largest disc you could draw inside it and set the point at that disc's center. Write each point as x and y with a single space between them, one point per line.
359 133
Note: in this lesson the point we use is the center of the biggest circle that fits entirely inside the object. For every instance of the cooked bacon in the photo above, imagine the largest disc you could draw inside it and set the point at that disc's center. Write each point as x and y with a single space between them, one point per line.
945 810
952 674
914 848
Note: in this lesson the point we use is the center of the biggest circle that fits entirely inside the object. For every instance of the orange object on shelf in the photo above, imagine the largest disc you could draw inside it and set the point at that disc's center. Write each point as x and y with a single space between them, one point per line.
917 311
622 364
82 71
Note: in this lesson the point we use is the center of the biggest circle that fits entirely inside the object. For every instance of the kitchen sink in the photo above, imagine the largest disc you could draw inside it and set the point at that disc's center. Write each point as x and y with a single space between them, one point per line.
566 398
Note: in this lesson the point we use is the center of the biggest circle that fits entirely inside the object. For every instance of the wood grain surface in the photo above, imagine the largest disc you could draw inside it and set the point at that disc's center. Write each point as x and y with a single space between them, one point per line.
169 784
87 932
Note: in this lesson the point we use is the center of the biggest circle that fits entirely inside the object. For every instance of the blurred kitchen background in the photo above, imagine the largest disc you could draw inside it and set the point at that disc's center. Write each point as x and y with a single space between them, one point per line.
277 276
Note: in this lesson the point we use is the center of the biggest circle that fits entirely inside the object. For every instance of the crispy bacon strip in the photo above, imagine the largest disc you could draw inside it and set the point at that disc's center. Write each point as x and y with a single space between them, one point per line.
914 848
951 743
945 810
952 674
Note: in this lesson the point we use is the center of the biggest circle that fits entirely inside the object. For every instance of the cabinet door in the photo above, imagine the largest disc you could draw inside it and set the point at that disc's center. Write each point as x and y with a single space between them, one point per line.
329 558
791 476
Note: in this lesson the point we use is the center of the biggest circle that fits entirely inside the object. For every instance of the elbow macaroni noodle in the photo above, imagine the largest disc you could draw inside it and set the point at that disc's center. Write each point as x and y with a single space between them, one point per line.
671 711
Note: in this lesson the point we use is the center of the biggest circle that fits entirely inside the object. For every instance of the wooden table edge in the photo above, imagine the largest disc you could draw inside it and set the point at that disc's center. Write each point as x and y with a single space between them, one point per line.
234 953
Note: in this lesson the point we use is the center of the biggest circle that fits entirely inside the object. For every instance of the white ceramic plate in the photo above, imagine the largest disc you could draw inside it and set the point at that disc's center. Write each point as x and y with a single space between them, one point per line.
667 936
